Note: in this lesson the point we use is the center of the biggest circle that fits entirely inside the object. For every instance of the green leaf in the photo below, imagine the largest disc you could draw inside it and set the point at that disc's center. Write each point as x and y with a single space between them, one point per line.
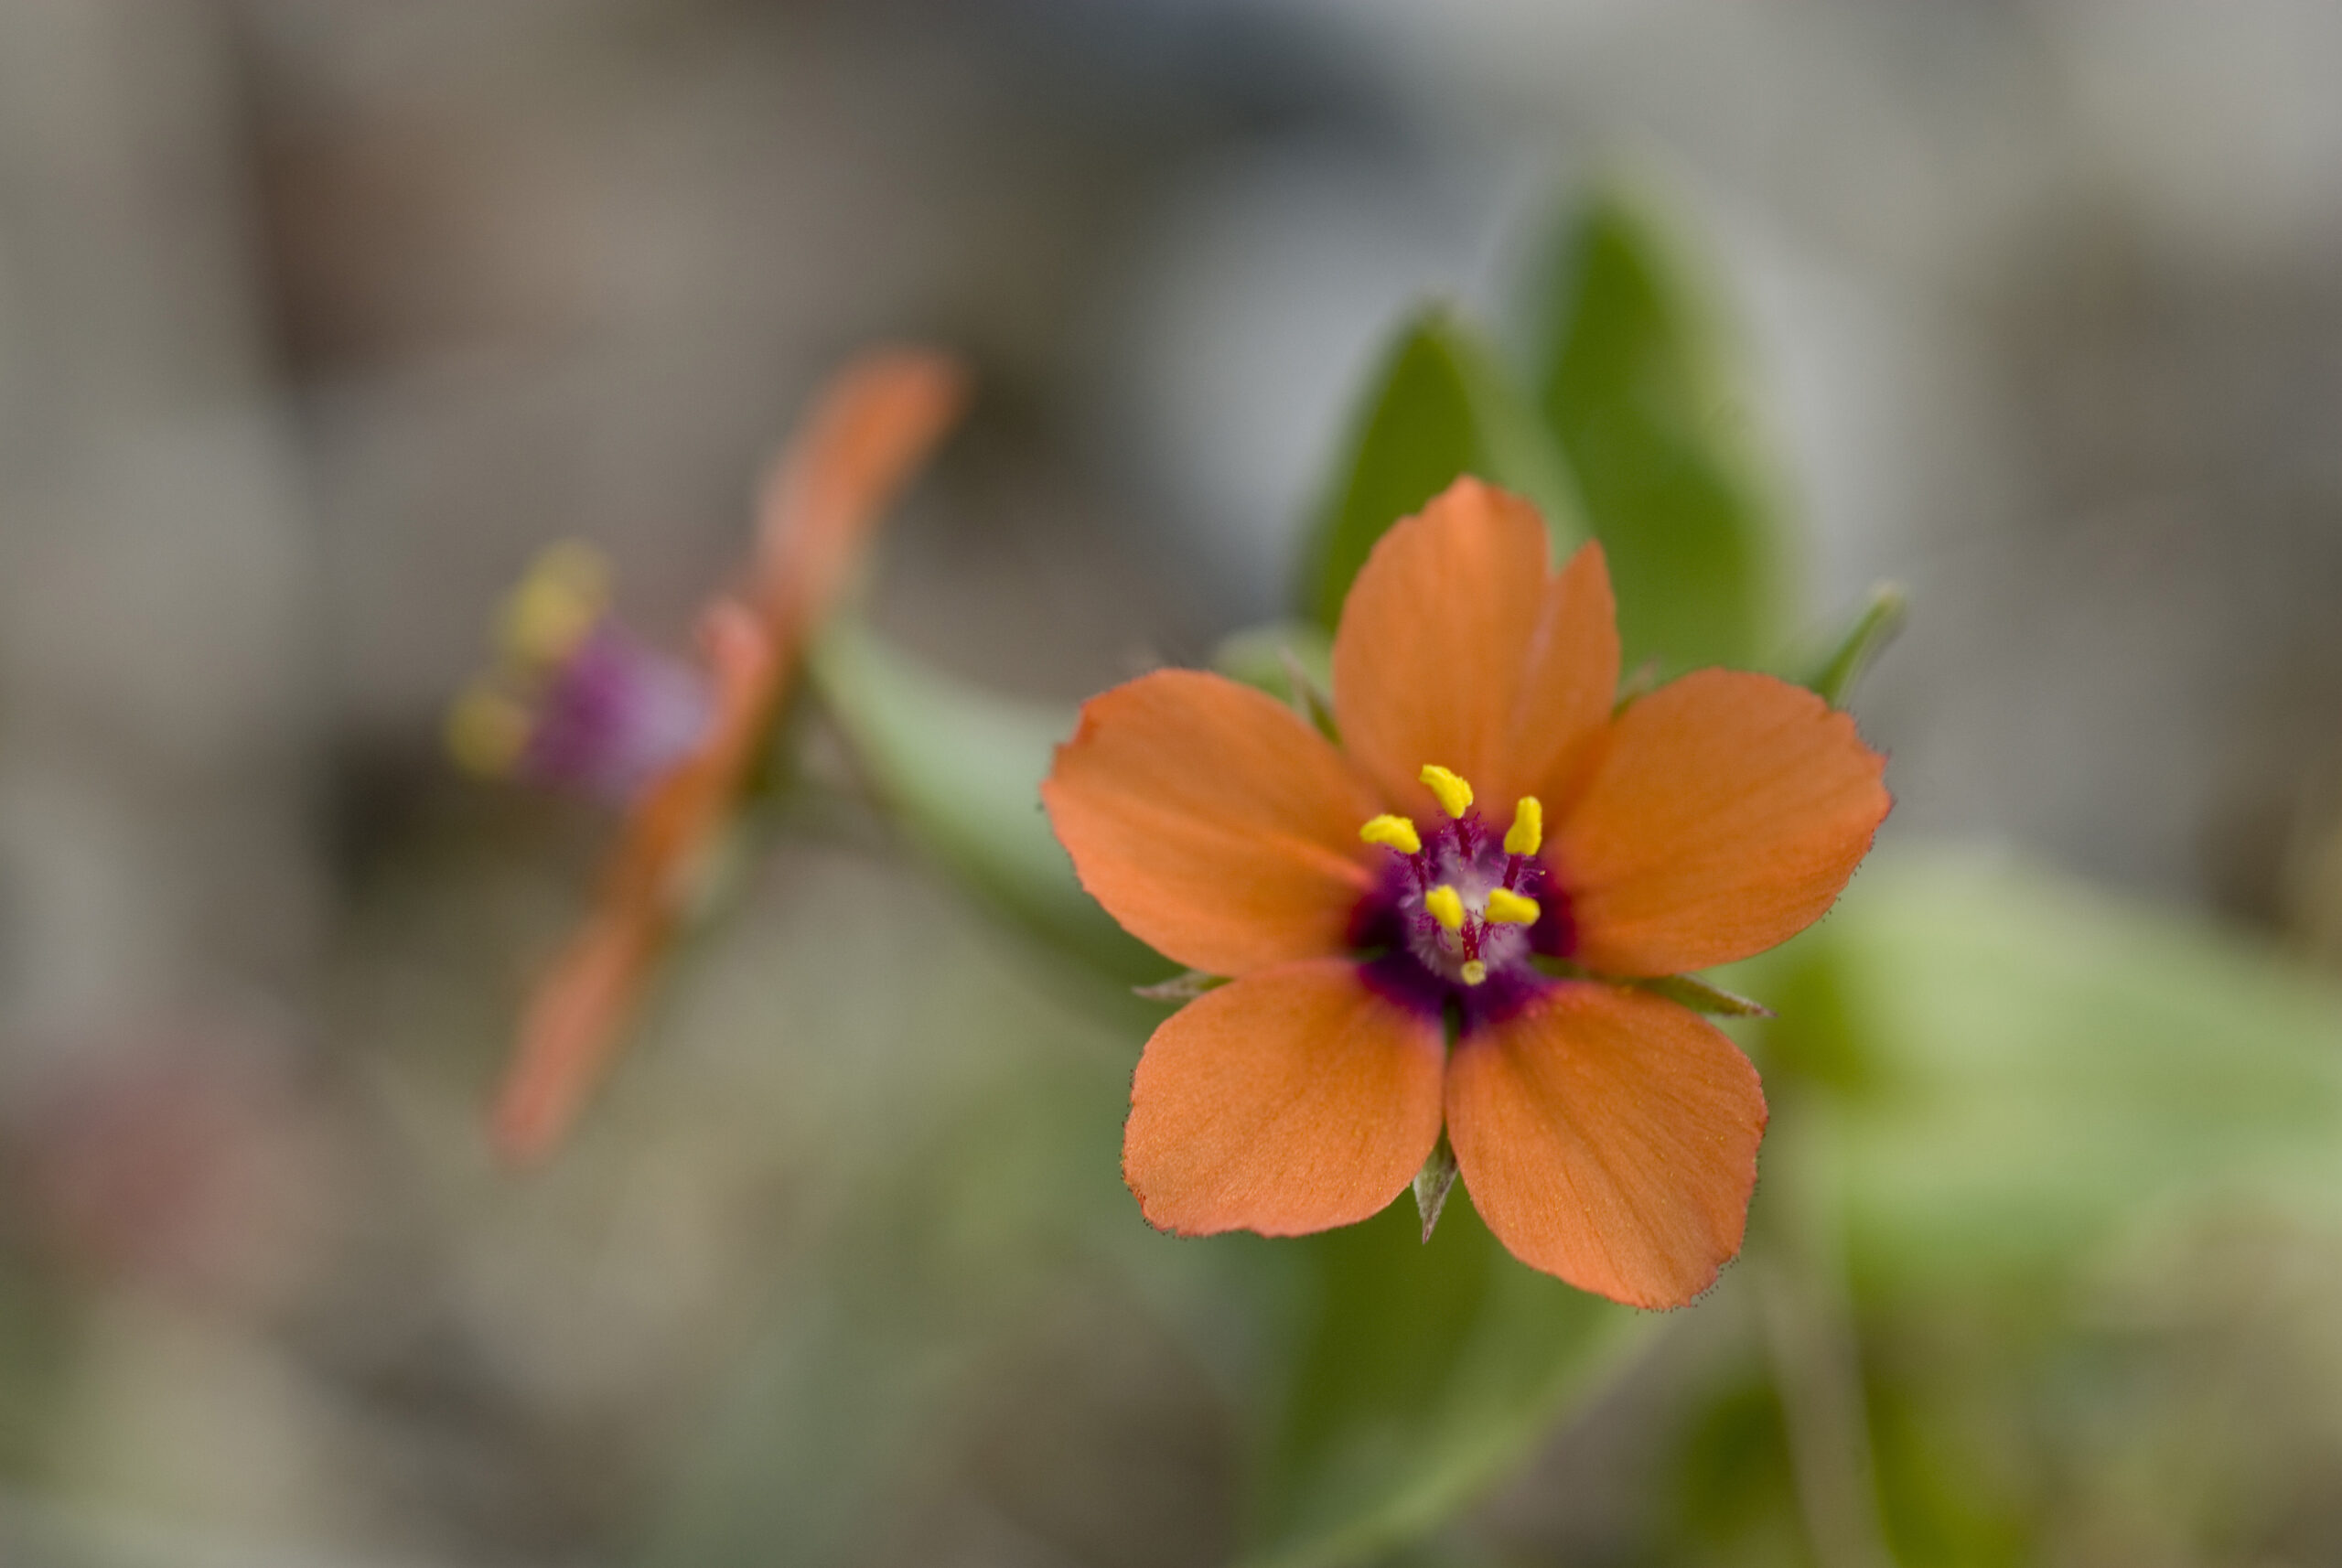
1632 380
963 768
1423 1371
1442 405
2025 1064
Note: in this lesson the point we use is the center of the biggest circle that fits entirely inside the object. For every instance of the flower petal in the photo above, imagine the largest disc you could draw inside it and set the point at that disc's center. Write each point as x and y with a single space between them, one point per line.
875 420
1567 689
1609 1137
1725 816
580 1010
575 1018
1291 1101
1212 821
1433 640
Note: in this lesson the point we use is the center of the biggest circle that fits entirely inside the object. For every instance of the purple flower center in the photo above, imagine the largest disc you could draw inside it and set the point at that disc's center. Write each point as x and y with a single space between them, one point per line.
613 715
1472 962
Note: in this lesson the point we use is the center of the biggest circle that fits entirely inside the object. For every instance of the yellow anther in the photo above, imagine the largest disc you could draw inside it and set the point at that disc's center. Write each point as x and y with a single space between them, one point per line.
486 731
1454 795
1475 972
1528 827
556 603
1397 832
1447 907
1509 908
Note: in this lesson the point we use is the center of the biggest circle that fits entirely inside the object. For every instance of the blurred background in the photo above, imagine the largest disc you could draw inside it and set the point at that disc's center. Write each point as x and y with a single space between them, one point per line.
319 317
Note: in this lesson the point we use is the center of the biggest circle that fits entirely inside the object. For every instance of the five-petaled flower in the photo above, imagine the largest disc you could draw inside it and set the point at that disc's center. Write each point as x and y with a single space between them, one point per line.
1401 960
582 704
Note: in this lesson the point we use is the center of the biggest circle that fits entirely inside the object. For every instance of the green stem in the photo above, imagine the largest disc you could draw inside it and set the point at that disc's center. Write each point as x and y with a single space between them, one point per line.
1806 1314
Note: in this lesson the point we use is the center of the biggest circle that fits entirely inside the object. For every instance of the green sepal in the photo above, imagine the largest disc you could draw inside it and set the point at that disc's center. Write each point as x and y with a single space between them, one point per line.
1834 676
1181 988
1434 1182
1704 996
1291 660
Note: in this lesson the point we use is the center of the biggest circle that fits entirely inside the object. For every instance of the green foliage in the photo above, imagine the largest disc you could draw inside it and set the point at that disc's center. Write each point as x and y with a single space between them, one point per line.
2018 1083
2012 1070
962 767
2028 1064
1442 404
1735 1487
1422 1371
1630 377
1951 1480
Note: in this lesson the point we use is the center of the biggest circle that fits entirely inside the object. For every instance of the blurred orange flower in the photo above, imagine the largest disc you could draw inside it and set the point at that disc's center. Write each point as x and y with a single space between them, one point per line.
585 706
1401 962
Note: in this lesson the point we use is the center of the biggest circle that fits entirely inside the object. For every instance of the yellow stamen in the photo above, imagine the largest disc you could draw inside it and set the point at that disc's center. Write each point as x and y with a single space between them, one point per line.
1397 832
486 731
556 603
1447 907
1475 972
1509 908
1528 827
1454 795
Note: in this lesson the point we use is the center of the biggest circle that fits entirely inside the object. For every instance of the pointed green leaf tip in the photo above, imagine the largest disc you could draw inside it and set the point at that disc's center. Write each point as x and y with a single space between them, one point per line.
1440 406
1632 380
1834 680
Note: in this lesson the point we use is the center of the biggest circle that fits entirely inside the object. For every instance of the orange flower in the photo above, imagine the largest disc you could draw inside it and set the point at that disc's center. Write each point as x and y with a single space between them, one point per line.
1401 962
603 714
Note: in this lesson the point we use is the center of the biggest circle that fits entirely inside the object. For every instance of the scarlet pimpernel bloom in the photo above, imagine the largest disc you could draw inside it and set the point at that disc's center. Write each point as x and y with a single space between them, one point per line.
1439 921
581 703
